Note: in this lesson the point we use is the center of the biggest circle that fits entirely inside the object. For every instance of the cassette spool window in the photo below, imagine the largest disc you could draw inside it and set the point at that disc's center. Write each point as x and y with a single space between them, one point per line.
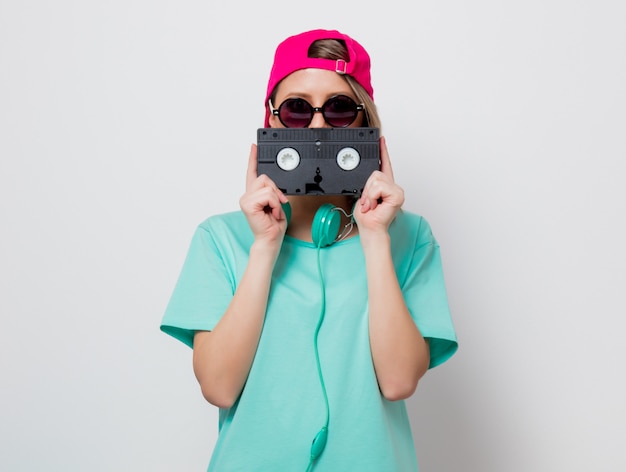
288 159
348 158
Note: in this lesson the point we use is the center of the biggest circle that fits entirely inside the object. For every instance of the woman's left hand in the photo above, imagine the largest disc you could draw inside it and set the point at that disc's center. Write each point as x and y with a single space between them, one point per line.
381 199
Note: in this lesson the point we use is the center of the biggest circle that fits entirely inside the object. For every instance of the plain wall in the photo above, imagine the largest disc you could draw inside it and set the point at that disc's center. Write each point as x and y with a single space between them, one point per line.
124 124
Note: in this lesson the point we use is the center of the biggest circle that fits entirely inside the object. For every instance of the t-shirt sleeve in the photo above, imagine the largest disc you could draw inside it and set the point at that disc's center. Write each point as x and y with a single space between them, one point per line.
203 291
424 290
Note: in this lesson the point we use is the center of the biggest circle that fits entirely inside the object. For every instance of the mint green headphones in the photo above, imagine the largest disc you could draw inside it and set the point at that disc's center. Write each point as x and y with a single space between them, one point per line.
326 224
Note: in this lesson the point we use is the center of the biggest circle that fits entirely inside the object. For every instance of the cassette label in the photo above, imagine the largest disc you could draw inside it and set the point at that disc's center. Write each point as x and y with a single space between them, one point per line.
318 161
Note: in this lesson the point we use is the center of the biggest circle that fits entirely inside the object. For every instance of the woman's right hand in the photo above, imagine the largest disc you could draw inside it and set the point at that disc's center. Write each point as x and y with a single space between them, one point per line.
261 203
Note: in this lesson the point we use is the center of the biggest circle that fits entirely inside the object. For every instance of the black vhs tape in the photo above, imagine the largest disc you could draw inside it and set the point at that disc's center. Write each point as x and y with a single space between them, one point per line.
318 161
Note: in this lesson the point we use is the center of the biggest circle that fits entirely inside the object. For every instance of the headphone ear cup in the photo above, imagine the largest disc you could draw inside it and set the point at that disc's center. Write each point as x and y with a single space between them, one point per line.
325 227
287 209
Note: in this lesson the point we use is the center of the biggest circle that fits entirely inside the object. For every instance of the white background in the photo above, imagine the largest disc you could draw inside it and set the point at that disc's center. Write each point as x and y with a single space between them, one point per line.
123 124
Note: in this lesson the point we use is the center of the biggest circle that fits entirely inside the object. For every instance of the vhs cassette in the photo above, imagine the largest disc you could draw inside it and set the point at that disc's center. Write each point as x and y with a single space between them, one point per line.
318 161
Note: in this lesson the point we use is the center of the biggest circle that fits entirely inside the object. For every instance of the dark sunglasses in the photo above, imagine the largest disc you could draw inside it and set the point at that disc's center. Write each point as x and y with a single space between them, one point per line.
339 111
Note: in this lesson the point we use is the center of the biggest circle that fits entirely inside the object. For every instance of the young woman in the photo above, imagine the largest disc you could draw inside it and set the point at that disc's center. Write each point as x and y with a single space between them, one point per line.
310 349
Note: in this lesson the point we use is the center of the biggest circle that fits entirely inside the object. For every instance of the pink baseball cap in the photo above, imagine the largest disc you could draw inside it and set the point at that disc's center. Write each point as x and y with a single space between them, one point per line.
292 55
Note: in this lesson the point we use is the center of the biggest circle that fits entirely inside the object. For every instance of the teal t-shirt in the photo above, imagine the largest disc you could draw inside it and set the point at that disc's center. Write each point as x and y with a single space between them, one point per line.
282 407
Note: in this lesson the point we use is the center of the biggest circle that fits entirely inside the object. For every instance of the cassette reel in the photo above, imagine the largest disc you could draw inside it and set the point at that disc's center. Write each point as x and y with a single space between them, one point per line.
318 161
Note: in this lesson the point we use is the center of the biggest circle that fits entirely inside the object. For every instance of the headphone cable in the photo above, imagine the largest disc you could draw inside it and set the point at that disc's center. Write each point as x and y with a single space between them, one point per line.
319 442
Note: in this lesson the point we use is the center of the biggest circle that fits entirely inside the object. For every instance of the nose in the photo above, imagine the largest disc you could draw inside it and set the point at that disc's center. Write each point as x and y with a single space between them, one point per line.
318 120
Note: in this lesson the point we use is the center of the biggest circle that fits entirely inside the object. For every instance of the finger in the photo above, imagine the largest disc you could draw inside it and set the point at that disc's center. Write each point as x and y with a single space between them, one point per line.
378 188
264 199
385 162
279 213
251 174
252 178
369 199
364 204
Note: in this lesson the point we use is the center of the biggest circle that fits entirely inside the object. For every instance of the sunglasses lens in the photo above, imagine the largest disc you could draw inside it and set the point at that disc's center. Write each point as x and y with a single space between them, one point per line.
295 113
340 111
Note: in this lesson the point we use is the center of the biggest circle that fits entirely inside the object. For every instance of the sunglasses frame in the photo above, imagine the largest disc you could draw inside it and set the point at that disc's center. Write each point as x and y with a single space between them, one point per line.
314 110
